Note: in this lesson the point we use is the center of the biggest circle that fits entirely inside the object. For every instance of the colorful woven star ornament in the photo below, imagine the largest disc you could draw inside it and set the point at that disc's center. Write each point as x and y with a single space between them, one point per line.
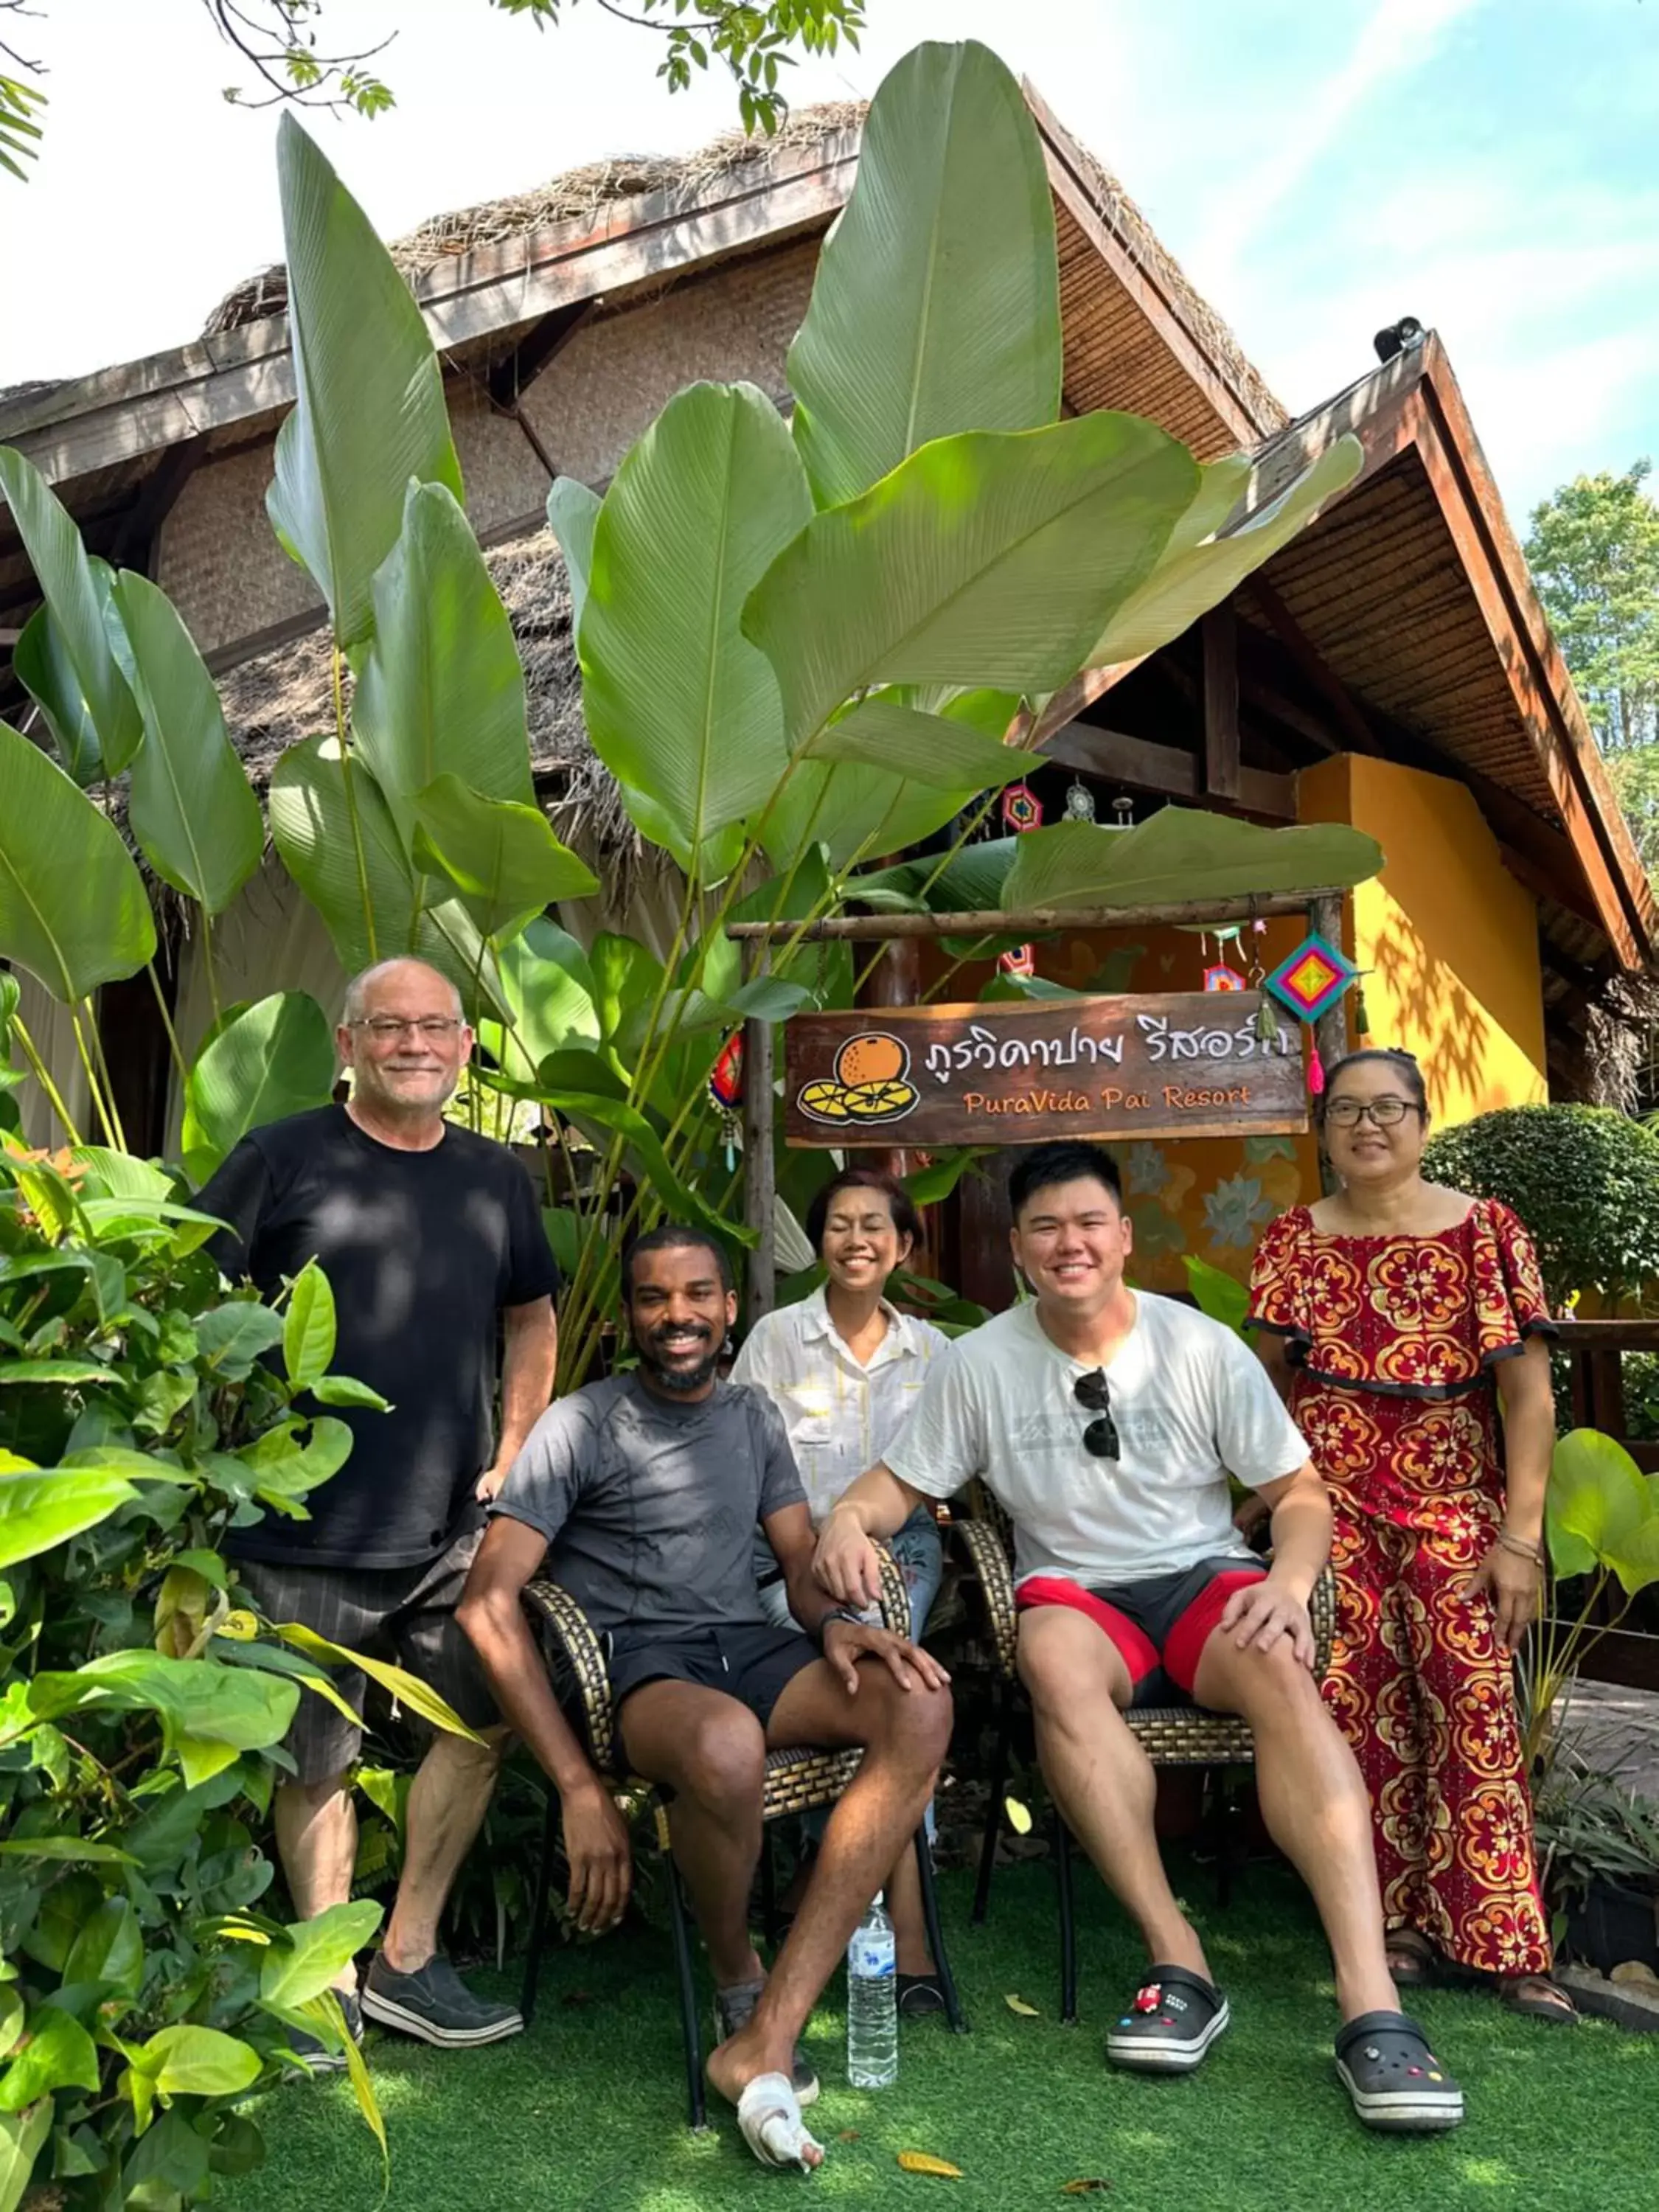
1313 979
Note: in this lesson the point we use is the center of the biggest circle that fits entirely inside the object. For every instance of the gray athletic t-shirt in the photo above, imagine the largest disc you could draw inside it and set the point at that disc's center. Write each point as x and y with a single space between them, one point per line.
649 1506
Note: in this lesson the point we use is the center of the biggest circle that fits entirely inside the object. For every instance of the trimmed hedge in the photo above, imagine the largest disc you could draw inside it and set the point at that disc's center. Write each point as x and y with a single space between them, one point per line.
1583 1179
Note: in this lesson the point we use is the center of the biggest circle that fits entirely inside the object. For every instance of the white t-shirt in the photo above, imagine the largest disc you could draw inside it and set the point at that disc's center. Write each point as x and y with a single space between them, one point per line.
1191 1403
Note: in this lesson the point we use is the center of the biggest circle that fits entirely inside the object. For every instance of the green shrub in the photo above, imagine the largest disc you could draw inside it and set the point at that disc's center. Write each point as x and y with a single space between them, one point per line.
1583 1179
143 1991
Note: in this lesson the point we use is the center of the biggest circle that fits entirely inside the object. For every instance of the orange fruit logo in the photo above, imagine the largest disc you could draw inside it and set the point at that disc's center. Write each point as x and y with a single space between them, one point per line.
870 1082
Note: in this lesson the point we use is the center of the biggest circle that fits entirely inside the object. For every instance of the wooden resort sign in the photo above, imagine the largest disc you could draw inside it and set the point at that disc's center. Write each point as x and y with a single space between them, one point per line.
1180 1064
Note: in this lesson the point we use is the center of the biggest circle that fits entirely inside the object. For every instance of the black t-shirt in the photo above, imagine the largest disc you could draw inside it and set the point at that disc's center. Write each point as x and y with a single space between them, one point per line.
421 1251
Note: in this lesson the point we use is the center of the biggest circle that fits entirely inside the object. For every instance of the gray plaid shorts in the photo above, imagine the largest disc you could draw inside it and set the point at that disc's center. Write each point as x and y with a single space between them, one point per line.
403 1614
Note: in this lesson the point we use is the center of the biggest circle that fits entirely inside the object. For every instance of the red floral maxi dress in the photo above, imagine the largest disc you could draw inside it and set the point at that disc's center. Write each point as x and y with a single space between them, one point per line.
1392 1341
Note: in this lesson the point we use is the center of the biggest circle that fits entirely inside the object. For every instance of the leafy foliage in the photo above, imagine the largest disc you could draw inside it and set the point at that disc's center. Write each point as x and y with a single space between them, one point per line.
1583 1179
144 1987
1594 550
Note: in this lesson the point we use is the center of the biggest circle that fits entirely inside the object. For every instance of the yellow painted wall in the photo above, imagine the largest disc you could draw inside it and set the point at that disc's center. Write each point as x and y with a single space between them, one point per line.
1449 936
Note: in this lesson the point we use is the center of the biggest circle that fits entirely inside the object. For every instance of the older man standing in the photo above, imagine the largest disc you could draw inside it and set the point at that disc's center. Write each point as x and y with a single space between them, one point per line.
433 1244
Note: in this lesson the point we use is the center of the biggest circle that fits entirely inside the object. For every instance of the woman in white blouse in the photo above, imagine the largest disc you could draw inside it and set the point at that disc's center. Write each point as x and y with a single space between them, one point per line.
844 1368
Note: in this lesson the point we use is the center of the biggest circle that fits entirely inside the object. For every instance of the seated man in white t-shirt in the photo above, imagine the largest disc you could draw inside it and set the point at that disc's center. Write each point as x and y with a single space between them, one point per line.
1105 1421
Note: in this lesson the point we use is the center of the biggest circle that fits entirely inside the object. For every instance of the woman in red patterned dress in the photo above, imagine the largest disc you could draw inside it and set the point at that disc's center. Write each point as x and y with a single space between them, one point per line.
1397 1316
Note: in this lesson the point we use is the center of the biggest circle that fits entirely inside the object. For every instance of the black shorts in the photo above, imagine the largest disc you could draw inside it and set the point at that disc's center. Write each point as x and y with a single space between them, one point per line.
749 1661
1159 1624
405 1615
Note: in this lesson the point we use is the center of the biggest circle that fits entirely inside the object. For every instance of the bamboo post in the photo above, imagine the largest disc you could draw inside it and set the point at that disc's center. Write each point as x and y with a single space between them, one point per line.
760 1178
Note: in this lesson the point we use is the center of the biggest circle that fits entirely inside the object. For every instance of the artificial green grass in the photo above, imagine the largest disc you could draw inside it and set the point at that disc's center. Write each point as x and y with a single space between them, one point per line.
586 2113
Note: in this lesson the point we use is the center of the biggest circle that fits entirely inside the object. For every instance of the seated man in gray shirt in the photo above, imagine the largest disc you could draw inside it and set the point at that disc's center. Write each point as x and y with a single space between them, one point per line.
647 1488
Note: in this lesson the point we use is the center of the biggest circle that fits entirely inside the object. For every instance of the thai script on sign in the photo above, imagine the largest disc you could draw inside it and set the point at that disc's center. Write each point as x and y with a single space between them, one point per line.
1162 1040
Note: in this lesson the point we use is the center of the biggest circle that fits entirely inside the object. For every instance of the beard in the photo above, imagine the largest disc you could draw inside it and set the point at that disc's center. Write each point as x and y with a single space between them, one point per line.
680 1381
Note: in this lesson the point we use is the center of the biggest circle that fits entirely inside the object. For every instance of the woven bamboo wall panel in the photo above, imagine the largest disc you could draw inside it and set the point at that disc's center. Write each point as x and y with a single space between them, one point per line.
504 480
220 561
619 371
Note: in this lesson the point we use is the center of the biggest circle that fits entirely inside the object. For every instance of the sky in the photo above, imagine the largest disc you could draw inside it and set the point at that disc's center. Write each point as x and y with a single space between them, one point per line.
1320 167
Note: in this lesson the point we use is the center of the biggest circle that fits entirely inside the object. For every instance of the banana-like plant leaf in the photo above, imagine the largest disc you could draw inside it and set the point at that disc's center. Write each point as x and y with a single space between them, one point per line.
990 558
273 1058
1603 1511
936 304
1197 570
501 859
73 909
680 705
41 660
922 748
548 989
855 812
970 882
193 812
1179 853
312 827
572 508
440 687
71 588
599 1117
369 409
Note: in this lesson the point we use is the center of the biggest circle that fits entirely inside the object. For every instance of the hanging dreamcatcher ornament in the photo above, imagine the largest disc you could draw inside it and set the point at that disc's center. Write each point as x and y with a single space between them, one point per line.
1219 973
1079 801
1022 809
725 1094
1019 960
1310 983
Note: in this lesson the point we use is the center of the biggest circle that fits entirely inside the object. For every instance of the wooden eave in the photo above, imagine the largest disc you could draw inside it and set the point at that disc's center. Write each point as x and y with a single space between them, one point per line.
1413 592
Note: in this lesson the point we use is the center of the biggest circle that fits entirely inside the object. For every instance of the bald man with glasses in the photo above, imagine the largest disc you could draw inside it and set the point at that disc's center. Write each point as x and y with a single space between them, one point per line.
1106 1422
432 1241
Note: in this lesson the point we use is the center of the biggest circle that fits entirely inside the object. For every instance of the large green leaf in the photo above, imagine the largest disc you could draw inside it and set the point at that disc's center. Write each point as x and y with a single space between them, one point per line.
369 410
572 508
1181 854
308 1330
312 827
59 2054
23 2135
1602 1511
292 1971
73 909
990 559
968 882
920 748
1197 570
193 810
208 1712
273 1058
72 591
40 1512
501 860
440 688
547 986
936 304
197 2062
41 660
680 705
856 813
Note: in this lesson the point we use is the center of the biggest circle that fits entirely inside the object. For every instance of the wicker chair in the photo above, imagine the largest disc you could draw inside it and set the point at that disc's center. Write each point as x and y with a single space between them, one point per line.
797 1781
1171 1736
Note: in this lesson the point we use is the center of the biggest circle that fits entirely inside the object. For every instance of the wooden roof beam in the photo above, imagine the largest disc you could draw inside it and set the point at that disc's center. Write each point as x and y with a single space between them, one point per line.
1136 762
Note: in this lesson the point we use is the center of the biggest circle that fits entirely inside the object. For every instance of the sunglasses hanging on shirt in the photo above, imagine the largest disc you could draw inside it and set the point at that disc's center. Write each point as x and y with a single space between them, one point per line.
1093 1393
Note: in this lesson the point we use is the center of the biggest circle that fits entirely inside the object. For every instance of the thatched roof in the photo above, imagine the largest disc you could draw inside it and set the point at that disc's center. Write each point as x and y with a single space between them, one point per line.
280 696
577 195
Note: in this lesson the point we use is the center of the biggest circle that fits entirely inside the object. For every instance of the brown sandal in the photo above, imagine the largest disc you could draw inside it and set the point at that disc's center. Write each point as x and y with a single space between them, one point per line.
1412 1960
1537 1998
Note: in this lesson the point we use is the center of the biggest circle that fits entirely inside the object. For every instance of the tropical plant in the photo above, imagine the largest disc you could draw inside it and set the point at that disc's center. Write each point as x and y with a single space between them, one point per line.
805 647
144 1989
1583 1179
1602 1530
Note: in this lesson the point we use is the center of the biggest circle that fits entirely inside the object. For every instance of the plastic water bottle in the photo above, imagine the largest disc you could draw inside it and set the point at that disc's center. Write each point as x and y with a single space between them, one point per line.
872 2001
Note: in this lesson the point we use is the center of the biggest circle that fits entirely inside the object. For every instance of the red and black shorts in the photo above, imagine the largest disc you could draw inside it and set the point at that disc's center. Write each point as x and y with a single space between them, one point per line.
1162 1622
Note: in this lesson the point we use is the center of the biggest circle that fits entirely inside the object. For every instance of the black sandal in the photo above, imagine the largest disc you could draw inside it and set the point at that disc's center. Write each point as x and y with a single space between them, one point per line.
1397 2084
1173 2019
918 1994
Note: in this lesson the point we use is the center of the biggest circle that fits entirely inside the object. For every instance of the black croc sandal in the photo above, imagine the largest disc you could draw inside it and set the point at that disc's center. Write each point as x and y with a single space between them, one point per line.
1397 2084
1173 2019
